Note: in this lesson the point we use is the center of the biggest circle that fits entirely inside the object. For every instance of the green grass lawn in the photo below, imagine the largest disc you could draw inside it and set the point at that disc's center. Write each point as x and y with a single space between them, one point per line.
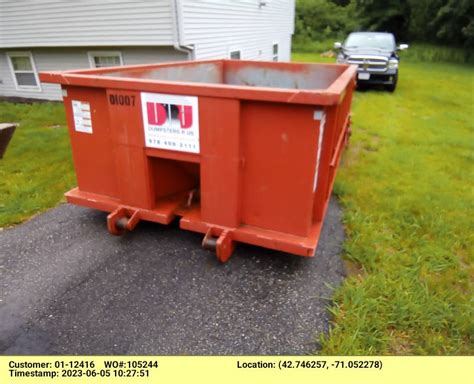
37 167
406 184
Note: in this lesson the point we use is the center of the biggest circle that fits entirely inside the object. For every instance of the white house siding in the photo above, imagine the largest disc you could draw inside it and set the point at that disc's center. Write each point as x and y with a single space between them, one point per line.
54 59
215 27
49 23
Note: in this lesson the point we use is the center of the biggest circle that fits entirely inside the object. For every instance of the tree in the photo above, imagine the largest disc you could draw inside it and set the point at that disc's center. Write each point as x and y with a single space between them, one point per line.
322 19
421 25
385 16
435 21
454 22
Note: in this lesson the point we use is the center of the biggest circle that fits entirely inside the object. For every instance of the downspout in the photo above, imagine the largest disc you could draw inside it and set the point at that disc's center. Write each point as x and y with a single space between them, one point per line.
177 16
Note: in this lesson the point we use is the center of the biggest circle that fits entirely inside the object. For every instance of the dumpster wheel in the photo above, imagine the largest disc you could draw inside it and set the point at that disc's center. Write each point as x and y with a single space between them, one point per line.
222 244
122 220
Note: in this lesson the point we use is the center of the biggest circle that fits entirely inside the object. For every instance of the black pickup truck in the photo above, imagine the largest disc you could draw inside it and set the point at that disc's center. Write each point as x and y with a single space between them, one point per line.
375 54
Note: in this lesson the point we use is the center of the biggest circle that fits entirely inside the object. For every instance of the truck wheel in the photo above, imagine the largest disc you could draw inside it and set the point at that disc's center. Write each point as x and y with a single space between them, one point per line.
393 86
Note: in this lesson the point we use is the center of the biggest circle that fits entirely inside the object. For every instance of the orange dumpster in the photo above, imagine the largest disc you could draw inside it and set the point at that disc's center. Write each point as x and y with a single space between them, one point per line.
241 151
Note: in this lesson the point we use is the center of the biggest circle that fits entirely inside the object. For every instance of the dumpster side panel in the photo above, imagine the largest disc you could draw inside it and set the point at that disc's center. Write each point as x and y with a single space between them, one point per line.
325 159
341 133
220 161
279 147
132 166
93 152
125 117
336 135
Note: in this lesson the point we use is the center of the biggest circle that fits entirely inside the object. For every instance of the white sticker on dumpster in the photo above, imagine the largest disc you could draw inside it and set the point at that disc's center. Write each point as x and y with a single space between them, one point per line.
171 122
81 111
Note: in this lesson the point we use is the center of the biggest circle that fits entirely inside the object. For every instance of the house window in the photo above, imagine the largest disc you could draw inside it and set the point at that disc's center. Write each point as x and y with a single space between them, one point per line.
275 52
235 55
24 71
105 59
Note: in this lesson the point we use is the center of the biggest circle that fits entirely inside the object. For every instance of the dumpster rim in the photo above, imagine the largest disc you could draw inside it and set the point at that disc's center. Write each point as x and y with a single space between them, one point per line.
329 96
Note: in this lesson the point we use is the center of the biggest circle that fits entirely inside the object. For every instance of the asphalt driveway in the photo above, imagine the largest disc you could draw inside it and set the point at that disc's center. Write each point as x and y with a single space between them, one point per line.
68 287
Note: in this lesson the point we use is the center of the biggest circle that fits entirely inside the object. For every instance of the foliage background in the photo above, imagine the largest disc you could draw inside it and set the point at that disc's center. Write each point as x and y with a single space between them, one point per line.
448 23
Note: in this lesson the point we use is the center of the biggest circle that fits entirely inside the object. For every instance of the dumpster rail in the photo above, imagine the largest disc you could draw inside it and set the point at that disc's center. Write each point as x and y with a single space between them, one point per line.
116 78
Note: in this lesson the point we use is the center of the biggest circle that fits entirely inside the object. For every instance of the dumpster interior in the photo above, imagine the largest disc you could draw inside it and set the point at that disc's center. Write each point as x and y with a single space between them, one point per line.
173 177
240 73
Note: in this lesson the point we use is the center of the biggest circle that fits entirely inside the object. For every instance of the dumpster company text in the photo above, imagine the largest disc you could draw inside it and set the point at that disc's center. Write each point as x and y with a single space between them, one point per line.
171 122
